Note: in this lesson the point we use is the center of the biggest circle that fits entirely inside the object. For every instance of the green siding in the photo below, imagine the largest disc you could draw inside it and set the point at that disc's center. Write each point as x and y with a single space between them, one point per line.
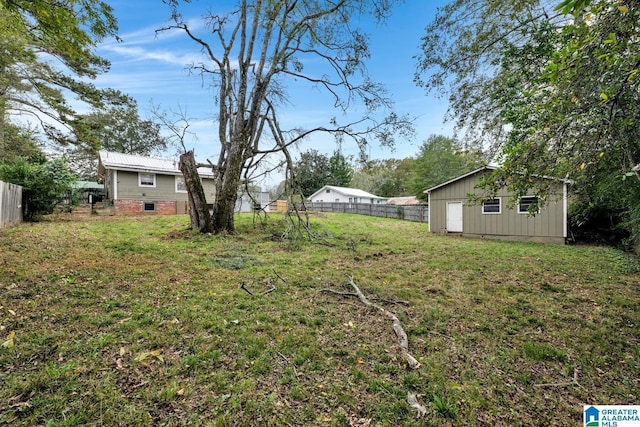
165 189
548 224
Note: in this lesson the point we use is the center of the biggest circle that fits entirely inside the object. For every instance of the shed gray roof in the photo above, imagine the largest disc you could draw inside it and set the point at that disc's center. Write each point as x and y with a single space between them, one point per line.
135 163
473 172
483 168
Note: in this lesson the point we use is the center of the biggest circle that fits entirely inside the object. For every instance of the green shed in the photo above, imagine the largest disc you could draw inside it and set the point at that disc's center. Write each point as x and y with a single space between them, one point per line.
451 212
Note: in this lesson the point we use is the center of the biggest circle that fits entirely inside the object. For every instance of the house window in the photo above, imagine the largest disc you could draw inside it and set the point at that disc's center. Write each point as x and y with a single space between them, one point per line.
149 206
146 179
491 206
526 203
328 191
181 187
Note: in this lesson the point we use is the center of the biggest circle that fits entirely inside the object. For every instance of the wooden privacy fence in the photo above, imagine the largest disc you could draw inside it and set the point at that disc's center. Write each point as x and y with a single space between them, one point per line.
408 213
10 204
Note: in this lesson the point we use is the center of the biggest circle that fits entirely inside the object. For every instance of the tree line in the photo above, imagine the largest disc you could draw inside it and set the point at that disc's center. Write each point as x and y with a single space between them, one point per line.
439 159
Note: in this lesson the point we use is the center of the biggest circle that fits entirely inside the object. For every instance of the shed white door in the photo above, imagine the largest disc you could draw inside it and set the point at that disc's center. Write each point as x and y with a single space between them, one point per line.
454 217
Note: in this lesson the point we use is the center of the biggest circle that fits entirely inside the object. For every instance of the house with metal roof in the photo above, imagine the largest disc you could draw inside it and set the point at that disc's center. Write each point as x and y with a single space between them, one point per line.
145 185
451 212
333 194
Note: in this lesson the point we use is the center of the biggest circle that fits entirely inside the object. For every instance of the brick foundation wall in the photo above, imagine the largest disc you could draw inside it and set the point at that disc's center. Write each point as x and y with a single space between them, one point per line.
136 207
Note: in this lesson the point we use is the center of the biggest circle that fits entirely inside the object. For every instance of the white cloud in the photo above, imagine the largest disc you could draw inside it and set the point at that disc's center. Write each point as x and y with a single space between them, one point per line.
139 54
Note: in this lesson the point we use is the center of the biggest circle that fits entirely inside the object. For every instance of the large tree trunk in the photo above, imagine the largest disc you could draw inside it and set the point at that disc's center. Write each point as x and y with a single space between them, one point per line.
198 210
227 191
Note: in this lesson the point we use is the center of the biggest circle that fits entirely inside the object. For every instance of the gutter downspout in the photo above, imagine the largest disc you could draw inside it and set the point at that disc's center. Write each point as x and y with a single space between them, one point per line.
115 185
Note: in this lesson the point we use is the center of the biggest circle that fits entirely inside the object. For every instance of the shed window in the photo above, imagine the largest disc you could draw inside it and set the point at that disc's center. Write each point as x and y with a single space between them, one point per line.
491 206
146 179
526 203
181 187
149 206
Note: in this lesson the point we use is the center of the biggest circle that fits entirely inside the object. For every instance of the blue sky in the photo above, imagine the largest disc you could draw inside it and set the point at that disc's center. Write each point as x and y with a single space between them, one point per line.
153 67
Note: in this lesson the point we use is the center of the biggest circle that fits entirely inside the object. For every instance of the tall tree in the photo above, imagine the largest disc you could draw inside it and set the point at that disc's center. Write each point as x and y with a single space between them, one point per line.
340 171
440 159
315 170
47 51
311 172
119 129
555 87
386 178
254 51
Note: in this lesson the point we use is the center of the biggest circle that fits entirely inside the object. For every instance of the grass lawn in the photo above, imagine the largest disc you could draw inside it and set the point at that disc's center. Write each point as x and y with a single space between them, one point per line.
134 321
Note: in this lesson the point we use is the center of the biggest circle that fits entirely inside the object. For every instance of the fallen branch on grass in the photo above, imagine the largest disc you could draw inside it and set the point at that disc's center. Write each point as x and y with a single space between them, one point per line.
392 301
270 287
279 277
287 360
403 340
565 384
244 288
342 294
353 294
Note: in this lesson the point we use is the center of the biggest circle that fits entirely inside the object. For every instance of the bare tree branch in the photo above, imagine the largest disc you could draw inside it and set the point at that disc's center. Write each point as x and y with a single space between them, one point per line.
254 51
